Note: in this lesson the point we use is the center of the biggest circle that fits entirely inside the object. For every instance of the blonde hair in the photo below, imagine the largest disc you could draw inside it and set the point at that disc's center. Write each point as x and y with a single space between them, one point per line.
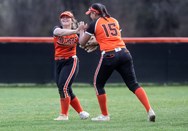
74 24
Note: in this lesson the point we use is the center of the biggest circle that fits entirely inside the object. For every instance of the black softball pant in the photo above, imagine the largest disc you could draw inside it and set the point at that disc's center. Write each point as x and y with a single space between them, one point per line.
66 71
119 60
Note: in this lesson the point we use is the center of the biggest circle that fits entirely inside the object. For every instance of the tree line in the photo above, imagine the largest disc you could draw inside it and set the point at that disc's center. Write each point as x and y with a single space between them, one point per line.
137 18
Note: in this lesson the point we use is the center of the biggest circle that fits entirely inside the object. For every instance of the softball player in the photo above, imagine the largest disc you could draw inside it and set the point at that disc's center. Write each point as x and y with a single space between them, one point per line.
114 56
67 64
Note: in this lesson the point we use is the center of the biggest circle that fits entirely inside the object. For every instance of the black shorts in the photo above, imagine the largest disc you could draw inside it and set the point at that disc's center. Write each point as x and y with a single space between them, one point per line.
65 72
119 60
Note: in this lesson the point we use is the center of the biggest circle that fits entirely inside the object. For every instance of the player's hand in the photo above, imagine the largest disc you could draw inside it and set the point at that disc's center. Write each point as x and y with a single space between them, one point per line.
82 25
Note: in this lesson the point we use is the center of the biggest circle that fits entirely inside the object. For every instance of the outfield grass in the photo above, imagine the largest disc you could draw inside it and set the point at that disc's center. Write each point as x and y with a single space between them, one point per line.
33 109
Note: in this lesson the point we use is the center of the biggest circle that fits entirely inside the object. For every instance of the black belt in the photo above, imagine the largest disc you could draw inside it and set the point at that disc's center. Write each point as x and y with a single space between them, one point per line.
64 58
112 51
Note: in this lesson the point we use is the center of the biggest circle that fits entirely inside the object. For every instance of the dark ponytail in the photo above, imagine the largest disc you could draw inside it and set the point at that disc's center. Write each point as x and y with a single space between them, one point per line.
102 10
105 12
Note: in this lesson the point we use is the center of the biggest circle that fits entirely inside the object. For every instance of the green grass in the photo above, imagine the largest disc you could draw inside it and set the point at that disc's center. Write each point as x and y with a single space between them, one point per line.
33 109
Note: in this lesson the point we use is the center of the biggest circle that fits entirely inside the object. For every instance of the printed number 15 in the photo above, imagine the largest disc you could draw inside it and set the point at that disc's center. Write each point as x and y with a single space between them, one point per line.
110 29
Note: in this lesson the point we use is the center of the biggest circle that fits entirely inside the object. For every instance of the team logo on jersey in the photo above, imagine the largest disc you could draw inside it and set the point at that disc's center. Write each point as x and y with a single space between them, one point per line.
67 41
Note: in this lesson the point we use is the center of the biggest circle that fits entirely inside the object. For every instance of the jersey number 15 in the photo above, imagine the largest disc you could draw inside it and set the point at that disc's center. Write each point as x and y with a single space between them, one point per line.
110 29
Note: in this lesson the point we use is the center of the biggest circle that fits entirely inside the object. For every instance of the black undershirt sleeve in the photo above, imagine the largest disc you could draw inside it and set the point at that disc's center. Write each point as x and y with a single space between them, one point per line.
91 28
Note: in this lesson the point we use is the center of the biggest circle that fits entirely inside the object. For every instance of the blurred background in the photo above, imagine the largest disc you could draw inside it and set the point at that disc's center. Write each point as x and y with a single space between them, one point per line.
154 63
138 18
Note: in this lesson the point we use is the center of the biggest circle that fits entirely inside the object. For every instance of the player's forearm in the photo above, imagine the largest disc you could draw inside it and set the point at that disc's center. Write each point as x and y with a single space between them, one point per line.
63 32
81 38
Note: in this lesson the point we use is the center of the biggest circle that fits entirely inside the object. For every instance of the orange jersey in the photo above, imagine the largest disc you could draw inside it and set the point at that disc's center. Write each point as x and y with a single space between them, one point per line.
65 46
107 33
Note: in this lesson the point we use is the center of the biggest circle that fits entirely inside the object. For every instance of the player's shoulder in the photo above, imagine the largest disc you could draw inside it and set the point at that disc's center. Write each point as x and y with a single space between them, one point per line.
93 22
112 18
57 27
54 29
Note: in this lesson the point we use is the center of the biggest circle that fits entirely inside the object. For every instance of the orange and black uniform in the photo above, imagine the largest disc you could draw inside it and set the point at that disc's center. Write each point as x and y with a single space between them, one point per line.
66 63
114 54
